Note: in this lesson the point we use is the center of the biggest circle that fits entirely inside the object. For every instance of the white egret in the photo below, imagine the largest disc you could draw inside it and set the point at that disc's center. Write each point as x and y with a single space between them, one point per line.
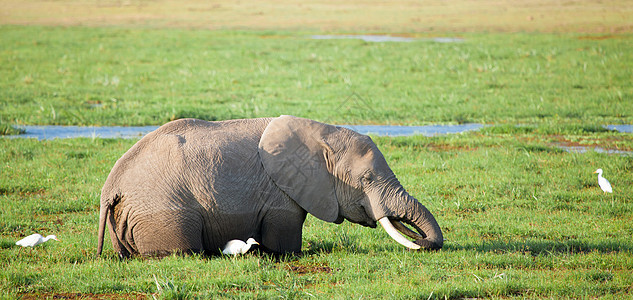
34 240
235 247
603 182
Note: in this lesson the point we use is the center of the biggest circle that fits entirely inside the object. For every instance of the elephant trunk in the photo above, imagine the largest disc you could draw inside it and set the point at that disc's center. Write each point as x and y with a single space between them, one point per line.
429 235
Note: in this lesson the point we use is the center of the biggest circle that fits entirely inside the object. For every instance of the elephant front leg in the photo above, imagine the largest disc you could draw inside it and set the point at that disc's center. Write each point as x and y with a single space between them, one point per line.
281 231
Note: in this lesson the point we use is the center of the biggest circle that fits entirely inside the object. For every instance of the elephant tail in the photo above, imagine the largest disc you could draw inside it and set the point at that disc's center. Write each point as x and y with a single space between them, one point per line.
106 216
103 216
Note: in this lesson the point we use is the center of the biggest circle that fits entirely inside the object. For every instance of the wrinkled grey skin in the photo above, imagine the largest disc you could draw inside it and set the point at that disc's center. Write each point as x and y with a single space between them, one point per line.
191 186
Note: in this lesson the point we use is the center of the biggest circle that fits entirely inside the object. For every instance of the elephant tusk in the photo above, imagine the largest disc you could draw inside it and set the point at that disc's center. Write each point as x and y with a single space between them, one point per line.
394 234
404 229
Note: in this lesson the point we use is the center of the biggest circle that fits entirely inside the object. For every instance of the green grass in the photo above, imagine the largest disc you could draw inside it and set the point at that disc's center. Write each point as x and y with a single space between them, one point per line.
6 129
521 217
128 76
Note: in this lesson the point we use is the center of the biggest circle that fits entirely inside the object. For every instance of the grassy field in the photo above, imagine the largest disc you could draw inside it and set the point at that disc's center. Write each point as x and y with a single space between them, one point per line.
522 218
109 76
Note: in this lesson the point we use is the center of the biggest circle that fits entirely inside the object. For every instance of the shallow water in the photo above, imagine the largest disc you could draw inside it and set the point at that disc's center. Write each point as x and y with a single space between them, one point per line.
66 132
385 38
50 132
585 149
430 130
620 128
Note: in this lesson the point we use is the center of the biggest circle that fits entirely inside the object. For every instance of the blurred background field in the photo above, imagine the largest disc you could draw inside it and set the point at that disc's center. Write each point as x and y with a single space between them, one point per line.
523 218
400 16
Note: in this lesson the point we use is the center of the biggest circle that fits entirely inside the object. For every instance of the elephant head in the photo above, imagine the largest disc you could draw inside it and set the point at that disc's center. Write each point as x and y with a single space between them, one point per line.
336 174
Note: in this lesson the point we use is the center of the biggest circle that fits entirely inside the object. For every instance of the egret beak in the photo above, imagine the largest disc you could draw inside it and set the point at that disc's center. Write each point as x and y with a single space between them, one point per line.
595 172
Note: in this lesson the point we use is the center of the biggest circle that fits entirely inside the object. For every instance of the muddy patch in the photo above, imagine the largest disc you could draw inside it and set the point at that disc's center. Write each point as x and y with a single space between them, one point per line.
610 145
309 269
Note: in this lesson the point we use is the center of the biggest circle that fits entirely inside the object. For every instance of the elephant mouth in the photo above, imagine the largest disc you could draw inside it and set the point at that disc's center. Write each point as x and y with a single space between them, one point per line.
395 229
369 224
406 230
366 223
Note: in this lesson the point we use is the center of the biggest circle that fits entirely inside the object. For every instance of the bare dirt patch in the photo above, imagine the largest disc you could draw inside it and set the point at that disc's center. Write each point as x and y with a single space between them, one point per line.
309 269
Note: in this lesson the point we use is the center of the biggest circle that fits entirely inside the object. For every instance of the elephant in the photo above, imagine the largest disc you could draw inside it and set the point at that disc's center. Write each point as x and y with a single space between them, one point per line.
192 185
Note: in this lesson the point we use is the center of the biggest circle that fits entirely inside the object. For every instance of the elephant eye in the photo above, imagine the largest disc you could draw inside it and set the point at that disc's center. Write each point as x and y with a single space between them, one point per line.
368 177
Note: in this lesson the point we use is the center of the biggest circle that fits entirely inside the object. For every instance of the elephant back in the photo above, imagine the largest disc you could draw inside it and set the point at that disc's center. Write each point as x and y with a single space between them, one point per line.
178 147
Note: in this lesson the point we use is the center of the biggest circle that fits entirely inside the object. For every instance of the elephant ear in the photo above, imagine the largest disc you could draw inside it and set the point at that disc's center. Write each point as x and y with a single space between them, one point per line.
295 155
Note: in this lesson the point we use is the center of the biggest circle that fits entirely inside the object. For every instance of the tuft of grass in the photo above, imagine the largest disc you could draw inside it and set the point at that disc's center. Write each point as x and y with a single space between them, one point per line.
6 129
168 290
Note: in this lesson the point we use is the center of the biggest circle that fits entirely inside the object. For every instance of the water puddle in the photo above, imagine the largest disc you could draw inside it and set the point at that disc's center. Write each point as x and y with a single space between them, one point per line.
430 130
385 38
68 132
50 132
585 149
620 128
